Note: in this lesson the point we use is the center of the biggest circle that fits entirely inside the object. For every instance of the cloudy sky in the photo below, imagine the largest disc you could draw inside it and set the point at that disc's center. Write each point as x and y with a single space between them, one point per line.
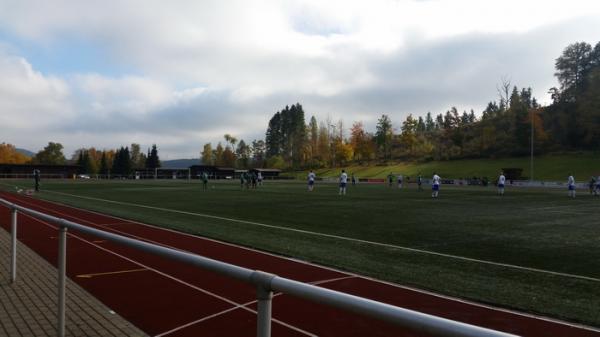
183 73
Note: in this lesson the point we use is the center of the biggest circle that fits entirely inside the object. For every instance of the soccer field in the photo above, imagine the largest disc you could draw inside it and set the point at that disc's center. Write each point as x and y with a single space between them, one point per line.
533 249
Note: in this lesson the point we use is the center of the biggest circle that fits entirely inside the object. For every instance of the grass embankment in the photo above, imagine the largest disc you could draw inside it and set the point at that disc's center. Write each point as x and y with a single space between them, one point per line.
547 168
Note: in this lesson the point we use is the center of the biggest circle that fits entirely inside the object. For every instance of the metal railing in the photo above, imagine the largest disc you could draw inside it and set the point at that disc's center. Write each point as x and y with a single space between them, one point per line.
265 283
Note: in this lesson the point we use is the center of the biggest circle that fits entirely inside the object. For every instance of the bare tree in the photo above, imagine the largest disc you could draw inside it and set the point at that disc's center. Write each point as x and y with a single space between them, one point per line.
504 92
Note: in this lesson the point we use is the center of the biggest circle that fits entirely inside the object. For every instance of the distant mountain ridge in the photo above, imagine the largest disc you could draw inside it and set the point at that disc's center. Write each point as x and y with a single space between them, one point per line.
25 152
179 163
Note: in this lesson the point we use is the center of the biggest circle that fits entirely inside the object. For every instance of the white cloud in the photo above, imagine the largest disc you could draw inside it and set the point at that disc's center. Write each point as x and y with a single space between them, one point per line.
133 95
191 71
28 99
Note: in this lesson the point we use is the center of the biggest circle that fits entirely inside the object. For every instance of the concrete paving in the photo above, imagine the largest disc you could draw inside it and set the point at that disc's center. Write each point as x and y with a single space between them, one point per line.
28 307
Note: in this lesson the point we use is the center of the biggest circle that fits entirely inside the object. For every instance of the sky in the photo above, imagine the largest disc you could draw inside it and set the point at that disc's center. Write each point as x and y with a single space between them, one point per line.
179 74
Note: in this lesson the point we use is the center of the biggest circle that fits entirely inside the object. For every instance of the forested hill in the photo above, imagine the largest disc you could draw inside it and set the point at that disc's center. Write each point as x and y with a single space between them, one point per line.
571 122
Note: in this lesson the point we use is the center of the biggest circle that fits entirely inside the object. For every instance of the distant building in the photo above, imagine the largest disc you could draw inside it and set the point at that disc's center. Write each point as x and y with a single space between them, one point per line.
162 173
46 171
267 173
213 172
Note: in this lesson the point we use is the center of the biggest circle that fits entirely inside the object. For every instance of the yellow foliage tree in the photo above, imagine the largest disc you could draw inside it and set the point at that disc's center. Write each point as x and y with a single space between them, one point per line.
9 155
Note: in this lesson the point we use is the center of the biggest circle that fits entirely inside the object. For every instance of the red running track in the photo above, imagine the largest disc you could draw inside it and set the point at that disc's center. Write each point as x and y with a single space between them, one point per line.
166 298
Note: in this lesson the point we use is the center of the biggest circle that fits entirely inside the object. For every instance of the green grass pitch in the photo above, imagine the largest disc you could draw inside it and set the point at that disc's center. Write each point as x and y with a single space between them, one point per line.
556 240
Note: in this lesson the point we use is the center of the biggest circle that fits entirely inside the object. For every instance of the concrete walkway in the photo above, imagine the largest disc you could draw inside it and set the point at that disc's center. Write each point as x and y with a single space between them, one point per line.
28 307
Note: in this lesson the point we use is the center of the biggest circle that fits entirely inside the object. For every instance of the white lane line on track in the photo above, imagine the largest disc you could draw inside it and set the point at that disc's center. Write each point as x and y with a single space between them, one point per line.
387 245
421 291
203 319
235 304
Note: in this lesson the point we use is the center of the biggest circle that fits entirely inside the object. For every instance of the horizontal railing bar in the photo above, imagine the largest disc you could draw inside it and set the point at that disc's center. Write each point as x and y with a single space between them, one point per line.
417 321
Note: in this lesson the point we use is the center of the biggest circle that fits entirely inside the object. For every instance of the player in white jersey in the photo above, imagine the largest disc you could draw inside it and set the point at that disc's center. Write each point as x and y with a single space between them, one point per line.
501 182
435 185
311 180
343 182
400 180
571 185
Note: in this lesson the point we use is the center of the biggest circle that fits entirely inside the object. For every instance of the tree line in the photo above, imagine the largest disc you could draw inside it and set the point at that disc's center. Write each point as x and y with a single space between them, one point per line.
123 161
243 155
506 127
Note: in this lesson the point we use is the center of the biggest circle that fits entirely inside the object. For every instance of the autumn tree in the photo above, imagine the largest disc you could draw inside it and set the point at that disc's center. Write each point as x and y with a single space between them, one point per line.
361 142
218 155
207 155
10 155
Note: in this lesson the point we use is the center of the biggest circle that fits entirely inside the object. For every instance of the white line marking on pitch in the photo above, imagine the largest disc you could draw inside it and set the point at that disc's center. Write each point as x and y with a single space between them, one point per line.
387 245
241 306
200 320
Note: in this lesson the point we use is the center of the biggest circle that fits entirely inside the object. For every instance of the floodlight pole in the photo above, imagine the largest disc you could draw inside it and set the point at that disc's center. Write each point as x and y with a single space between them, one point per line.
531 161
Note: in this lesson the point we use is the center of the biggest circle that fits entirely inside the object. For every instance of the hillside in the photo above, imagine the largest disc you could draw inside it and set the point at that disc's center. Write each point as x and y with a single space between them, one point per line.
25 152
548 167
180 163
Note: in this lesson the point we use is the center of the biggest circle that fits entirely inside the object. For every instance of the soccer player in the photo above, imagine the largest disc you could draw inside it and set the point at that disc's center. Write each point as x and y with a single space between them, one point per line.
343 181
260 178
571 183
435 185
242 178
597 190
36 178
501 182
400 180
353 180
592 185
390 179
204 181
253 179
311 180
419 182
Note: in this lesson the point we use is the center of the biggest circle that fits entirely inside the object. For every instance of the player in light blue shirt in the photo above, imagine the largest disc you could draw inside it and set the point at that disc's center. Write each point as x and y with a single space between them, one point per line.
571 185
501 182
435 185
311 180
343 182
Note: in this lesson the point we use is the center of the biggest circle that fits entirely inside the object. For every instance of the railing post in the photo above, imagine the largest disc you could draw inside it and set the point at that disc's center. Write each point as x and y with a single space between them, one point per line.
13 246
264 296
62 269
265 305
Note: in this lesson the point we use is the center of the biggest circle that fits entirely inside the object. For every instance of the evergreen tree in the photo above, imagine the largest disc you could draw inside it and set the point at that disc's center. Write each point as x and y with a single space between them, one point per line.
273 138
103 163
313 129
383 136
429 123
153 161
258 153
286 135
243 154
